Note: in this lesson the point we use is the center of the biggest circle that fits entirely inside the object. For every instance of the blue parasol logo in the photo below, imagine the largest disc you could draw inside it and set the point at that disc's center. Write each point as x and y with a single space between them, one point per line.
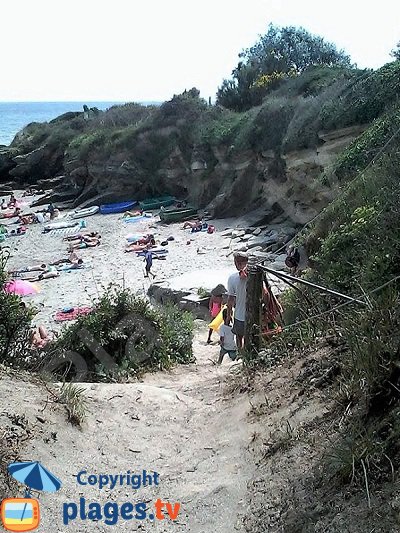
35 476
23 514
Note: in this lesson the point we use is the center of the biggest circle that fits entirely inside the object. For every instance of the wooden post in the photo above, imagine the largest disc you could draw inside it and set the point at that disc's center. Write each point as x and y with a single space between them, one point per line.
252 326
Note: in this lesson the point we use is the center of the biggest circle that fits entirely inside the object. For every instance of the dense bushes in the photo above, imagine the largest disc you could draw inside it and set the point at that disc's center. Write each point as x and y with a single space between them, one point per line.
364 99
15 322
133 335
355 248
280 54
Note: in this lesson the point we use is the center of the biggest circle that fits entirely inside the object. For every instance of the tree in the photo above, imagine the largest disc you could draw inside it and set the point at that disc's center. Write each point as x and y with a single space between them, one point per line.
280 53
396 52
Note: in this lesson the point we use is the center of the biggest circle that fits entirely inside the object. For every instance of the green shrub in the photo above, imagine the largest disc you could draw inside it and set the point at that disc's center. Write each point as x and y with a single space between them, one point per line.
15 321
363 149
73 398
137 337
363 100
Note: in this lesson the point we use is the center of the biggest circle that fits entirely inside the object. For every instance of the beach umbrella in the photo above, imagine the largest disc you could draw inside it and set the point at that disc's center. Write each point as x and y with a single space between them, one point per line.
21 287
35 476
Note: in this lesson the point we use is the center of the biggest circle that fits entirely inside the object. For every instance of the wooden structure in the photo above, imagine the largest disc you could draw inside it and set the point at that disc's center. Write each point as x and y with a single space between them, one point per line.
254 293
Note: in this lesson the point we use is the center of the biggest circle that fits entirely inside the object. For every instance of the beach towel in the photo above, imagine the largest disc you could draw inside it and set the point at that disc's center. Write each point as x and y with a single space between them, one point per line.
64 224
154 252
71 313
134 238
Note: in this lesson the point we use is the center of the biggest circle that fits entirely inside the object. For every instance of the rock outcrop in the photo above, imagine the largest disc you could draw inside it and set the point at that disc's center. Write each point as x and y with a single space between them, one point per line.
214 177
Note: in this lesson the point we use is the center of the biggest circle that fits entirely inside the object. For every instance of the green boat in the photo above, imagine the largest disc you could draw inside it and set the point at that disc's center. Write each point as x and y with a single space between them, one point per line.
177 215
157 203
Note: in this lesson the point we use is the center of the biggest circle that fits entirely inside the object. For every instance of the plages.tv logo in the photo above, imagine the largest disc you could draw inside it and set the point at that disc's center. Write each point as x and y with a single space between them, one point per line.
23 514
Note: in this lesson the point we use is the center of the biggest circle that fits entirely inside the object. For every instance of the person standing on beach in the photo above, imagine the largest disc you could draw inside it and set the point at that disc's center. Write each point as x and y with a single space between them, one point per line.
148 258
237 284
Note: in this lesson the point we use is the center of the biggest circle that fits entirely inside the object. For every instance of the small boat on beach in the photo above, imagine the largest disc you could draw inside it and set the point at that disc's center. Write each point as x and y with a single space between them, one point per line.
156 203
121 207
178 214
83 213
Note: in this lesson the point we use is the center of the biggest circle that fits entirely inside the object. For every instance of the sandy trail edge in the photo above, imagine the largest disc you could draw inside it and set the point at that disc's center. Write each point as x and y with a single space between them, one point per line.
179 423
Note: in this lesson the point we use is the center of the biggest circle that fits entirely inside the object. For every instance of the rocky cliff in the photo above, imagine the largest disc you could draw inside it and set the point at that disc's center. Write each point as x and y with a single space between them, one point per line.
269 159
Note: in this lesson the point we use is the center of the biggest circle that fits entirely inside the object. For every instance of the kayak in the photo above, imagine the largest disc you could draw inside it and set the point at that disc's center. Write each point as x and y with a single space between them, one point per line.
156 203
177 215
82 213
107 209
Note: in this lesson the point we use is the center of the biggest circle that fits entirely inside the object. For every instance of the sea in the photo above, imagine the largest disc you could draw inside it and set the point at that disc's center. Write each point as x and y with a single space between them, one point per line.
16 115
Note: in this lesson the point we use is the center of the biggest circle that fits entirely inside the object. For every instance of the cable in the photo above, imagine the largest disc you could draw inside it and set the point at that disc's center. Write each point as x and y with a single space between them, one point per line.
336 307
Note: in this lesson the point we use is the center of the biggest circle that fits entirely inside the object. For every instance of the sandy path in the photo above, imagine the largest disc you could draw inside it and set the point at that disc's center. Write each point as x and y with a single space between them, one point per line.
180 424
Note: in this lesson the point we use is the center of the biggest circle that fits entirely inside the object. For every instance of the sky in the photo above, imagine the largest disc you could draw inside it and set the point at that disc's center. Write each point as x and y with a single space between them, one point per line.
149 50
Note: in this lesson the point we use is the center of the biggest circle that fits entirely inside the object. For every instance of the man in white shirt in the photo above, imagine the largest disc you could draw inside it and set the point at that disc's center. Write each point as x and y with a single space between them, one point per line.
237 284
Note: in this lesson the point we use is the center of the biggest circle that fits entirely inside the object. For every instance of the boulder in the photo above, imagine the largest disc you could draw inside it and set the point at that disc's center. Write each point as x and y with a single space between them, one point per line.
183 290
7 162
264 256
238 233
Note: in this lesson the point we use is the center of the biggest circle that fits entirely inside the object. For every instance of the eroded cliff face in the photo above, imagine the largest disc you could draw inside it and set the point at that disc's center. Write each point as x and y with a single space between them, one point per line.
219 179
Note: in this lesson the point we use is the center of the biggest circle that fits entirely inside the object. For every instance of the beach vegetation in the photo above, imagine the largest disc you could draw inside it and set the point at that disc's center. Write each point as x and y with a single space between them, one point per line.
280 54
354 248
15 321
136 336
73 397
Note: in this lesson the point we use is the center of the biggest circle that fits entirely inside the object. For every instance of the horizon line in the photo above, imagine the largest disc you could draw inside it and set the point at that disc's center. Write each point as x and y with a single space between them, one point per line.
74 101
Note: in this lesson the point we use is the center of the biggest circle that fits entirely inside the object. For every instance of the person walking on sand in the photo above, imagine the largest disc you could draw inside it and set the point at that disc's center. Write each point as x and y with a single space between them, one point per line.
226 339
237 284
148 258
215 305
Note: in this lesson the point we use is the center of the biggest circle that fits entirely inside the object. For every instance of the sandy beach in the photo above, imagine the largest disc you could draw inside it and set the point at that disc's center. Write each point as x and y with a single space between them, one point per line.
109 263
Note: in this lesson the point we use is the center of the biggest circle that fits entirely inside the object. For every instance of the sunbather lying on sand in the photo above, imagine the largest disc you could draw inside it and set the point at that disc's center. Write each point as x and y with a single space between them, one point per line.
82 235
40 337
132 213
41 268
196 224
27 219
135 247
19 231
83 244
73 259
45 275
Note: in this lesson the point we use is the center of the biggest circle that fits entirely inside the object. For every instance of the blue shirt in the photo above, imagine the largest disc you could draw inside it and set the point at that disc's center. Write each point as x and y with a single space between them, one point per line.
149 258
